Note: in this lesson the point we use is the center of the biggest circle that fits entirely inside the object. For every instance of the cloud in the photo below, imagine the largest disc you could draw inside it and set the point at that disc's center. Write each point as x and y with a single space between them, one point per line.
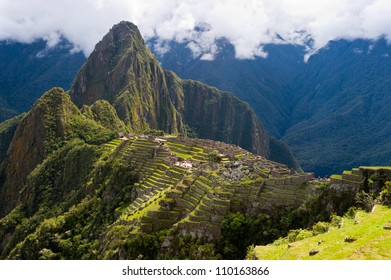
247 24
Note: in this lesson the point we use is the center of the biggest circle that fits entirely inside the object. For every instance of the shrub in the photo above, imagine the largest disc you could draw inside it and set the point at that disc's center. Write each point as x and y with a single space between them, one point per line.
214 157
365 201
303 234
320 227
351 213
385 194
336 220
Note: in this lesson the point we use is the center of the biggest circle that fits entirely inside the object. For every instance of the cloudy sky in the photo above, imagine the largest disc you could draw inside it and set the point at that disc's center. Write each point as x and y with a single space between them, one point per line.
247 24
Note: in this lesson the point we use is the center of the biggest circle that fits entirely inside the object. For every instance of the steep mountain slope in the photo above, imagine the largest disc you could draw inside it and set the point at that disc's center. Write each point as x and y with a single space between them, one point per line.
124 72
53 120
260 82
70 193
28 70
341 116
7 131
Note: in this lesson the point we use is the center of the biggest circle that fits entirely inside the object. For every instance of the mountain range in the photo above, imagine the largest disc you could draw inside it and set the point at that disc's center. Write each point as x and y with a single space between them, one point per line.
133 162
317 107
28 70
330 110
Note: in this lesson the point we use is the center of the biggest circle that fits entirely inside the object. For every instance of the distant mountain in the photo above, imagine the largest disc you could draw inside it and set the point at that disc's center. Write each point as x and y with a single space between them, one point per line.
260 82
331 111
341 107
28 70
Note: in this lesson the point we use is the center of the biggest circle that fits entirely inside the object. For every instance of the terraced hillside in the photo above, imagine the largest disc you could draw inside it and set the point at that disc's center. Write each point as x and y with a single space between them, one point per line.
366 236
190 185
367 178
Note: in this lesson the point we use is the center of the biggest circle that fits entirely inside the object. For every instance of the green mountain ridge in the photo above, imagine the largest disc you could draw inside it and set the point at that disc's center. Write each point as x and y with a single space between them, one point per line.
124 72
53 120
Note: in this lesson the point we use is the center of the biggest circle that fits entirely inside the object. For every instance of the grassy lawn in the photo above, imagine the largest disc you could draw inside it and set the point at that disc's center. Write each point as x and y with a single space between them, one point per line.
372 241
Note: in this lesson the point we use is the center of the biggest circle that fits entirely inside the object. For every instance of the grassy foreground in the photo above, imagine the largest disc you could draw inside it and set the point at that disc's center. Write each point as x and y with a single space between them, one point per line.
372 241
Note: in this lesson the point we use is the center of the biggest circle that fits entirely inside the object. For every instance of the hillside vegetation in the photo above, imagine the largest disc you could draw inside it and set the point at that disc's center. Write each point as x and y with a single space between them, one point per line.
362 232
370 231
85 195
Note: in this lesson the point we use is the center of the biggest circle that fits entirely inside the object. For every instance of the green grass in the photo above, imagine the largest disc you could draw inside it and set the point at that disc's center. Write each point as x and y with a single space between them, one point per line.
373 242
336 176
113 143
182 155
376 167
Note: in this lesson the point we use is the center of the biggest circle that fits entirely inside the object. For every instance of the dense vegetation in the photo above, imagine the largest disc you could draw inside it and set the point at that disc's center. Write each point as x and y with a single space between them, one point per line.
76 203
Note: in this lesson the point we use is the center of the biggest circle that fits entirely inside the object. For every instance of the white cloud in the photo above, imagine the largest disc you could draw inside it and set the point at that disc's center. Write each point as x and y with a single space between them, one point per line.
247 24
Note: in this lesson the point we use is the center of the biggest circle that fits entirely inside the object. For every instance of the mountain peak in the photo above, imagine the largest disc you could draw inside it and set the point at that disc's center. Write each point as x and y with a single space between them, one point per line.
124 27
121 37
109 68
123 71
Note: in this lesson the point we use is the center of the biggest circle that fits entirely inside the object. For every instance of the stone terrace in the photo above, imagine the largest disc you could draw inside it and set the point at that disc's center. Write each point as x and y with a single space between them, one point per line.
195 197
